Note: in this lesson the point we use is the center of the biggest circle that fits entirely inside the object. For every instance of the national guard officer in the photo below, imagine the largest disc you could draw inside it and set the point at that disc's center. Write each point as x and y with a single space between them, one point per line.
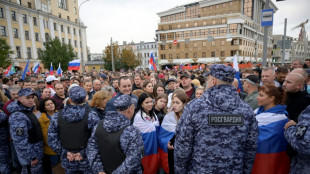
116 146
4 144
70 130
26 132
298 136
217 133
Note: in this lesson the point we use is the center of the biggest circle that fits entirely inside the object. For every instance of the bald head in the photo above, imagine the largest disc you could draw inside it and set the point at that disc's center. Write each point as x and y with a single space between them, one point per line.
293 82
302 72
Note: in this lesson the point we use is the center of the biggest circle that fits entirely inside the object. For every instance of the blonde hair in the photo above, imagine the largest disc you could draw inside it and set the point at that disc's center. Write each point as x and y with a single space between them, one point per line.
98 98
3 98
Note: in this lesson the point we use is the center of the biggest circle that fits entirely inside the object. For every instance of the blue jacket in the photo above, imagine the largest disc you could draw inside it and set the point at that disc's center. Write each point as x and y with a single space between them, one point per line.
201 147
71 113
4 143
130 143
298 136
19 126
110 106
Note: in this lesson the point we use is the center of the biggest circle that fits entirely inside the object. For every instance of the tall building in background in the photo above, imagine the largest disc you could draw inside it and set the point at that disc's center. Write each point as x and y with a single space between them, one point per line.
212 31
27 24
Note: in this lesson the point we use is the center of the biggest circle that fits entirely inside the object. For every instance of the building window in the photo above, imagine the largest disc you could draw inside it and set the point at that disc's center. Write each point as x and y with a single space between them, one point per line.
212 54
178 56
186 55
69 42
61 28
29 4
18 52
81 44
68 18
75 43
55 26
25 18
37 36
222 53
170 56
28 52
15 31
178 45
68 30
35 21
75 11
74 32
195 54
204 54
3 31
62 4
163 56
59 15
13 13
27 35
162 47
79 32
213 43
1 13
63 40
47 37
170 45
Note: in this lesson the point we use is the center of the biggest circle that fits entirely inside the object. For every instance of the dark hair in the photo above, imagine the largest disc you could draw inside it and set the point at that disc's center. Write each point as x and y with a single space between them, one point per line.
123 78
155 89
139 105
277 92
282 69
42 104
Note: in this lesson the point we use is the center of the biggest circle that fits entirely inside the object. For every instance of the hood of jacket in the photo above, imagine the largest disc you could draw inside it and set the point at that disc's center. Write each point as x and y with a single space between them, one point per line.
223 97
73 113
17 106
114 121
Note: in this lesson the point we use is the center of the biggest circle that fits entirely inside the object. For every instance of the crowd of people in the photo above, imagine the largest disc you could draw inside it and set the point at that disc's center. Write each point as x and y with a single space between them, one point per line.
155 122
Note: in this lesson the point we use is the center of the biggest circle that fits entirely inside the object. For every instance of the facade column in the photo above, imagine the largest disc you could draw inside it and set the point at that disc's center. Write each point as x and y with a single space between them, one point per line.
33 44
10 31
22 34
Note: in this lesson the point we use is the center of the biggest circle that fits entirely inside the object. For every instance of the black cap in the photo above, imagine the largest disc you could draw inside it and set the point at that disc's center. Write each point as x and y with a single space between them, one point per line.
171 80
184 75
253 79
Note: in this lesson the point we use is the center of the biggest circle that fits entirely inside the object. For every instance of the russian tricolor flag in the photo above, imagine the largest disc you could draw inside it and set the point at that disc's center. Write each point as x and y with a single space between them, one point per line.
182 66
36 68
74 65
148 130
166 132
152 64
59 71
51 70
271 154
237 76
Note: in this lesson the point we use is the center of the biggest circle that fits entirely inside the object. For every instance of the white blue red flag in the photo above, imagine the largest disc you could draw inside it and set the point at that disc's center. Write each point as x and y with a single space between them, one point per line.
36 67
149 132
237 76
181 66
152 64
51 70
271 154
166 132
74 65
59 71
200 68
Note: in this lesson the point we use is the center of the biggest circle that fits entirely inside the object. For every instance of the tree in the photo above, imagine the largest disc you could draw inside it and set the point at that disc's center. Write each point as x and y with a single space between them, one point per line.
56 52
5 50
128 59
108 58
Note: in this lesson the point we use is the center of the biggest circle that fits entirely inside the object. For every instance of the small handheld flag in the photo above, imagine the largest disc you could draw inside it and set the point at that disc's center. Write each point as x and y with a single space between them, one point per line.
74 65
36 68
25 70
51 70
152 64
59 71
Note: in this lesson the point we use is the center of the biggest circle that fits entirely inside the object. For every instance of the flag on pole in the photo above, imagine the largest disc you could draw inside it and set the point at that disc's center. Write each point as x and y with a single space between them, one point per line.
167 68
59 71
74 65
12 70
36 67
237 76
152 64
200 68
7 71
25 70
182 66
175 68
28 72
51 70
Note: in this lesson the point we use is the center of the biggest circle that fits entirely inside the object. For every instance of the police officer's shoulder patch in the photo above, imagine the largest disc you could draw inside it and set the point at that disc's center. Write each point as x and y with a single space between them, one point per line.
226 119
19 131
301 131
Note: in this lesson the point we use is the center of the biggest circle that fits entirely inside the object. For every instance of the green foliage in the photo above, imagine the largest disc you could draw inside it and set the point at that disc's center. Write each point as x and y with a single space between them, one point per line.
5 50
125 59
56 52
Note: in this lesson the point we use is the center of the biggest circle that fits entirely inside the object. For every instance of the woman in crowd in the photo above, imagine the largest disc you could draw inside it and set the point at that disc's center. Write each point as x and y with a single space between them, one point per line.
160 106
99 102
153 81
148 88
159 89
199 92
167 130
36 109
51 161
271 116
46 93
170 96
146 121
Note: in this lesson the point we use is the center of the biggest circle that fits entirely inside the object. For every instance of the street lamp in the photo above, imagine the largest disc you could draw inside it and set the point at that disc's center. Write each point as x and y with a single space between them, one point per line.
80 33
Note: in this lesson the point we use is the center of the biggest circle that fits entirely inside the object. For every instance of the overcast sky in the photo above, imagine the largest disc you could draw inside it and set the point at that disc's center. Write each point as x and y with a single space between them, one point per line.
136 20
